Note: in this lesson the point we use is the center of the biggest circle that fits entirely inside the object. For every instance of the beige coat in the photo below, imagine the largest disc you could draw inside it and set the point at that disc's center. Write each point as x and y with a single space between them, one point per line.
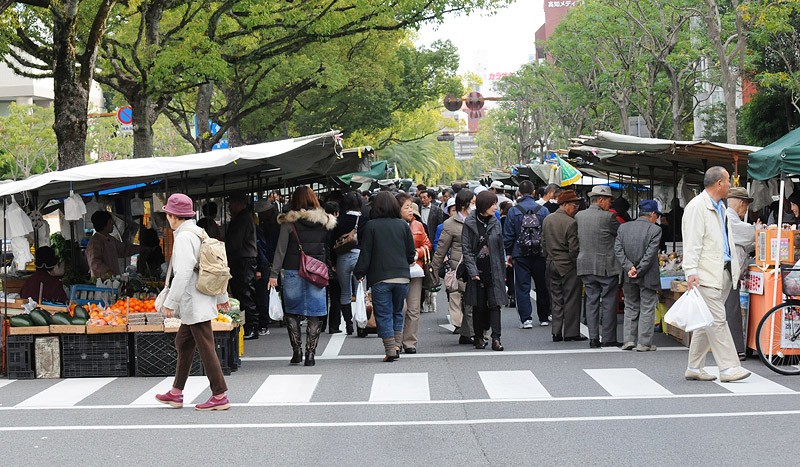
702 243
190 305
450 241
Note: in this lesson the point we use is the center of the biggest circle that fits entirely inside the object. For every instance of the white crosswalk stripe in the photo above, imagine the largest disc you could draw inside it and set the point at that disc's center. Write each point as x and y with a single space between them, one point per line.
627 382
516 385
394 387
195 385
66 393
753 384
512 385
286 388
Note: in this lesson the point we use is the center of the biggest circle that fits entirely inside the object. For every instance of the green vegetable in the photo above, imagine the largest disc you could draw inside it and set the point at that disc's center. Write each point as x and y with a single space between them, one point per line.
61 318
80 312
78 321
21 321
40 317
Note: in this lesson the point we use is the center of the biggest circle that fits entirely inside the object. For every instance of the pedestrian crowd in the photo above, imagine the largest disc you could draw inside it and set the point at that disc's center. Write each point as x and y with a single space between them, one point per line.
485 249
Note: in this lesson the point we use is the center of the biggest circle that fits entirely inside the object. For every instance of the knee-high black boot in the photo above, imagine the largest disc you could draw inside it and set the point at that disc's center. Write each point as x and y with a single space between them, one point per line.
313 330
347 312
295 337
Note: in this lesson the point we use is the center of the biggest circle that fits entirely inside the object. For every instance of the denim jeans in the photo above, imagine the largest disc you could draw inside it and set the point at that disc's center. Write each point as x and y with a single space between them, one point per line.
525 270
344 272
387 304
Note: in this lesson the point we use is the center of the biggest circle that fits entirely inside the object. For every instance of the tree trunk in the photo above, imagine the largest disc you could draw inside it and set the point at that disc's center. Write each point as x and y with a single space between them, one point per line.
143 145
677 101
729 87
71 101
234 103
203 113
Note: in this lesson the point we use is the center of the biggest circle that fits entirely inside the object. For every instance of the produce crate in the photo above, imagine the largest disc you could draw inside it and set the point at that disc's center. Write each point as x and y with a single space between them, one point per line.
67 329
28 330
223 343
86 294
19 355
679 334
155 355
93 355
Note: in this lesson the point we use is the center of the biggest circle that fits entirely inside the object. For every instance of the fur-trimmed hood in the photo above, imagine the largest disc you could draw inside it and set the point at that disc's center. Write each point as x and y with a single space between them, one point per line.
313 216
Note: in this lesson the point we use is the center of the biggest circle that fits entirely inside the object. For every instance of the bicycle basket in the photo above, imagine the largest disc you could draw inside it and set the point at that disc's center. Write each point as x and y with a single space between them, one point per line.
790 279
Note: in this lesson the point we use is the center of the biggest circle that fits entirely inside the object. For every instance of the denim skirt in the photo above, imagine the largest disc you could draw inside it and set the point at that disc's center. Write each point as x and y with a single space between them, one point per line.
302 297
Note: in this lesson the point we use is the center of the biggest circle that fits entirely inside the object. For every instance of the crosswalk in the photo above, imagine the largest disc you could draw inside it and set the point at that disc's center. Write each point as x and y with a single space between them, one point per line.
278 389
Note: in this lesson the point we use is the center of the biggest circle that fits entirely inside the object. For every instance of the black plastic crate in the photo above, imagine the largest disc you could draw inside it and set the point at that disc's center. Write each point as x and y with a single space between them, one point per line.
224 346
155 355
94 355
19 357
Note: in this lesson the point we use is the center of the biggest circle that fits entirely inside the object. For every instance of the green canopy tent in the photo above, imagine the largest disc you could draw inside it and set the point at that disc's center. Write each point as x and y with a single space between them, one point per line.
780 157
376 172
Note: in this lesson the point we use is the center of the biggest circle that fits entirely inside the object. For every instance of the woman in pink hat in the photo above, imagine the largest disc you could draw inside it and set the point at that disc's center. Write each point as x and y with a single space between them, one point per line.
194 308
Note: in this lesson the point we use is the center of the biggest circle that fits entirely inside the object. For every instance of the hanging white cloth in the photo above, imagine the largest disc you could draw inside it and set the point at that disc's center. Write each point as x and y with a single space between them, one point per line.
22 252
760 193
159 200
137 206
685 194
92 207
19 224
74 208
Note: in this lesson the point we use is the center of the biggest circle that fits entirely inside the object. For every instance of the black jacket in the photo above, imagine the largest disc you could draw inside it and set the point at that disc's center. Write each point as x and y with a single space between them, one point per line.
469 248
387 251
240 237
312 227
344 224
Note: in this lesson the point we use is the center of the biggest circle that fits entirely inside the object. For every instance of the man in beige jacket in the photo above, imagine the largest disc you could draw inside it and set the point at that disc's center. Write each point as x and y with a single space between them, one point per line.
709 256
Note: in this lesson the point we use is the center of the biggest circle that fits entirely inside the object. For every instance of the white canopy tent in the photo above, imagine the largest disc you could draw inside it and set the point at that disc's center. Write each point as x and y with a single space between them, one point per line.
279 162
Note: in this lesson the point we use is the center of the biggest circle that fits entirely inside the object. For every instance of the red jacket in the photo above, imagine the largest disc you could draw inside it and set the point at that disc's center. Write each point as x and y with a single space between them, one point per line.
421 241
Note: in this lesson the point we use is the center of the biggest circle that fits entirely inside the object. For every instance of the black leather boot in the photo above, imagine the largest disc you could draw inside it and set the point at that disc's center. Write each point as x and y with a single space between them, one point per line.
347 312
295 337
313 331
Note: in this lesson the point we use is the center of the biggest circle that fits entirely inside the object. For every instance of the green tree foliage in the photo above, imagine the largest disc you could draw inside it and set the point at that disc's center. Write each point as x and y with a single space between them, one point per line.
27 141
426 160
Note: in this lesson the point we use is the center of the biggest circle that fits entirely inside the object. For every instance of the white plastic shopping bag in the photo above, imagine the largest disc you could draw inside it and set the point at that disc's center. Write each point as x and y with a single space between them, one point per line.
689 312
360 307
275 307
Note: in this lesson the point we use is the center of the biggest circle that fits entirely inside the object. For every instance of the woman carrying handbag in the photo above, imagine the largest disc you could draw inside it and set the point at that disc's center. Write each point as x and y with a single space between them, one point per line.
410 213
302 254
194 308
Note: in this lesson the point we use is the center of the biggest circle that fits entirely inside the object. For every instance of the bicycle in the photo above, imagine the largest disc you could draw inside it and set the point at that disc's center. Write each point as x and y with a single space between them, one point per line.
778 333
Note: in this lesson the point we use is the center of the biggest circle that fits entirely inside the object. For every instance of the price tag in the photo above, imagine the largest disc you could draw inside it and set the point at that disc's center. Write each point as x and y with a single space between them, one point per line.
753 282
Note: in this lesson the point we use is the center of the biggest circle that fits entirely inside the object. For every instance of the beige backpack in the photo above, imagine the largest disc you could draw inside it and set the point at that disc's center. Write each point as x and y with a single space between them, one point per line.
212 266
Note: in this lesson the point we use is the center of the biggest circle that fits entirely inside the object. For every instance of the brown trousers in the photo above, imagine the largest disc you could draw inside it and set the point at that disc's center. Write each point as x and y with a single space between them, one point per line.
200 336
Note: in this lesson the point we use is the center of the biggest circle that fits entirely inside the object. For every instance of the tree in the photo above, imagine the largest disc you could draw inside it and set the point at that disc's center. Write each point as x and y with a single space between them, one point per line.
41 38
27 141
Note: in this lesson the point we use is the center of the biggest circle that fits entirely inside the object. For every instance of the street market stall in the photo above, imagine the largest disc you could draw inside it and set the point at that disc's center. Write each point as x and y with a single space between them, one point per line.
112 324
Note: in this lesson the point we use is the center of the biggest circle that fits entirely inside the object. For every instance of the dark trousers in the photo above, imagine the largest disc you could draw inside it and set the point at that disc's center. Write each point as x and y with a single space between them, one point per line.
733 314
601 305
262 300
334 308
200 336
243 272
510 283
485 316
525 270
565 295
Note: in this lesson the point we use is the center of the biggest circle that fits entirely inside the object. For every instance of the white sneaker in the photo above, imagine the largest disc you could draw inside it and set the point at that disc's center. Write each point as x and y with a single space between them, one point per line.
528 324
544 324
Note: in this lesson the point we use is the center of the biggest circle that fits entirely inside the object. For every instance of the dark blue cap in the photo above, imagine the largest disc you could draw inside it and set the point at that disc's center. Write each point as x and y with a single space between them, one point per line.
649 205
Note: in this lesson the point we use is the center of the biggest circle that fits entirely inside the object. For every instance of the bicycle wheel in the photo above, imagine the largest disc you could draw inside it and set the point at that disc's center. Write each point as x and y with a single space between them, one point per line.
778 338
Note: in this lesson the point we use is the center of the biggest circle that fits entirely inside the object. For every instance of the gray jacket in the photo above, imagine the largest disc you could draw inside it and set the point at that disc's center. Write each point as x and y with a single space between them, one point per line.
597 231
637 246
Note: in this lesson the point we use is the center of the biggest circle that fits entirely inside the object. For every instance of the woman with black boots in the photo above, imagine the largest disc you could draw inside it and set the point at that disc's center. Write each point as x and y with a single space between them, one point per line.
304 228
345 246
484 260
387 251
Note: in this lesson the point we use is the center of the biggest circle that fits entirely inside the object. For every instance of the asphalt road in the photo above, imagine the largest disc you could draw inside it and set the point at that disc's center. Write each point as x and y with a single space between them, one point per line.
537 403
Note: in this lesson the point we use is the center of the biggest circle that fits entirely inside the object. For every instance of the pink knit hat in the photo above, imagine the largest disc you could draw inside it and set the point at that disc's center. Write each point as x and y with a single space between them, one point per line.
179 205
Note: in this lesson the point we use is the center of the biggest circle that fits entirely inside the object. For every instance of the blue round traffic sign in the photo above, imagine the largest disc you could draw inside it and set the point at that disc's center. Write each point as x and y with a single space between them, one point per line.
125 115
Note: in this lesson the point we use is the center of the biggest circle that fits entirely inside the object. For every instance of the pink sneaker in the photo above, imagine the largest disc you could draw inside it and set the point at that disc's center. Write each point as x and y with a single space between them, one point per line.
214 404
171 399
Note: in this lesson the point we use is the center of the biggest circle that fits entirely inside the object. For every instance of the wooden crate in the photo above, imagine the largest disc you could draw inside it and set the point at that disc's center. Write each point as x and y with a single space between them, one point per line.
220 326
67 329
47 357
171 329
679 335
106 329
12 331
145 328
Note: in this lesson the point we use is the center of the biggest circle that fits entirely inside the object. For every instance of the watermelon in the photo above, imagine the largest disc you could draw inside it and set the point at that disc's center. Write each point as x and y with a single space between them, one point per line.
21 321
78 321
80 312
40 317
61 318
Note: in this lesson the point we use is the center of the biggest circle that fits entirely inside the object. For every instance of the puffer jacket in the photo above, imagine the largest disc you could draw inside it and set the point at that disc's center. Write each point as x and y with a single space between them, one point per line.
313 227
421 241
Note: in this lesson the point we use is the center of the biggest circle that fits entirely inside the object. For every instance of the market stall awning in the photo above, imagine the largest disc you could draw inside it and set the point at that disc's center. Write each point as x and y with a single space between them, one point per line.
376 172
296 160
635 156
782 156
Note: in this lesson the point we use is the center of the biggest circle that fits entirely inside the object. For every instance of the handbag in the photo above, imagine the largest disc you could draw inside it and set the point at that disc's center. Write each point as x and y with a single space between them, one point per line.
162 296
430 279
451 278
347 241
311 269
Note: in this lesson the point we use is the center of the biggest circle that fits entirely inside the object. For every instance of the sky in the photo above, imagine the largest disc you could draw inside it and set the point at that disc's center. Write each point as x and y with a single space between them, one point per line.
487 44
